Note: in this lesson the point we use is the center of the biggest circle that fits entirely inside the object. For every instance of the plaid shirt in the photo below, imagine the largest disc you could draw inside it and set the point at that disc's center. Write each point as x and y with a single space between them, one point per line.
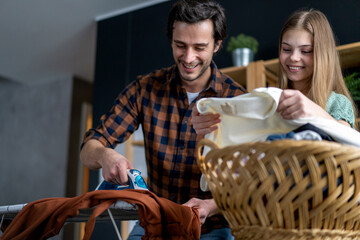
159 103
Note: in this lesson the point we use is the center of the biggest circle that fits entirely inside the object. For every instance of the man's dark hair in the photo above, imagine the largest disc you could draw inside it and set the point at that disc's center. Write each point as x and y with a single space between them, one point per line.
193 11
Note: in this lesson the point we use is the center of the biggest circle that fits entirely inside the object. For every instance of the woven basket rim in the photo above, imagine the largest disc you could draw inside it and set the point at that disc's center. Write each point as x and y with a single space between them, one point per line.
286 184
295 233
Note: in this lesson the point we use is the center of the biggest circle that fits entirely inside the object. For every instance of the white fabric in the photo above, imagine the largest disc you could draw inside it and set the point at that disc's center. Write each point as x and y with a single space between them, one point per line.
191 96
253 117
307 135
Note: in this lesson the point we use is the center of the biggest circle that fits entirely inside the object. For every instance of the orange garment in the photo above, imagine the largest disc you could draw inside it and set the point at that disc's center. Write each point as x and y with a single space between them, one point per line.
160 217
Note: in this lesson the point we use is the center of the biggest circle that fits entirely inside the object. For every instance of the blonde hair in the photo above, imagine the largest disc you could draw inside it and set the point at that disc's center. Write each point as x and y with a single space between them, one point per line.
327 74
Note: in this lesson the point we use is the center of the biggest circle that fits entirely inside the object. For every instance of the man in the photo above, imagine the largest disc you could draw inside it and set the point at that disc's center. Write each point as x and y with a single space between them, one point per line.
162 103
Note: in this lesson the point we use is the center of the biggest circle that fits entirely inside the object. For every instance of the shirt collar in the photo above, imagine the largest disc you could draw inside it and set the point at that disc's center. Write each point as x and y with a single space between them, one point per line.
216 79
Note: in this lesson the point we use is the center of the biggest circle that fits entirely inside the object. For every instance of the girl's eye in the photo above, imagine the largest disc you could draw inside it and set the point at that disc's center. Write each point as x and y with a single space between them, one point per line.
306 52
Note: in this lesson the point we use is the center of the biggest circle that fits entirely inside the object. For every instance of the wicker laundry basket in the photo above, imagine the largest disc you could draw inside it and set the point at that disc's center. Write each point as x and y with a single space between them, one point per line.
285 189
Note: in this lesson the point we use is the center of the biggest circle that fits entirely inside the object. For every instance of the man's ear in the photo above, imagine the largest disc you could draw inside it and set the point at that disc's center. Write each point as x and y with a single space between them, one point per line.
217 45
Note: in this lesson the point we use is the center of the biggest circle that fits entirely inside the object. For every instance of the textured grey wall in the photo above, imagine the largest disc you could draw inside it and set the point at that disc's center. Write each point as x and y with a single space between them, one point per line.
34 135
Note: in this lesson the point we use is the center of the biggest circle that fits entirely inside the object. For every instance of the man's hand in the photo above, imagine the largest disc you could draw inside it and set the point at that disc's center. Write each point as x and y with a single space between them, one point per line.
204 124
206 208
114 165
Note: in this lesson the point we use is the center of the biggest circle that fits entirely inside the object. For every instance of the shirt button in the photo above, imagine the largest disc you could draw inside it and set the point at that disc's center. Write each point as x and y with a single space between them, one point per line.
185 122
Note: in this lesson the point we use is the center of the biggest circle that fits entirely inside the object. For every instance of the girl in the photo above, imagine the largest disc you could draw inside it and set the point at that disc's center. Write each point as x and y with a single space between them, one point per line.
310 74
310 71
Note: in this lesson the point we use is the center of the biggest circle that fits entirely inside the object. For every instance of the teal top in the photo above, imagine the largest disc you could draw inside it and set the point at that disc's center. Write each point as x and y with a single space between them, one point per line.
340 108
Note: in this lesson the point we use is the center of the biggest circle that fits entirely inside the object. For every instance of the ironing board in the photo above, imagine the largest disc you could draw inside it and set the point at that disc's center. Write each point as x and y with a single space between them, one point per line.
120 210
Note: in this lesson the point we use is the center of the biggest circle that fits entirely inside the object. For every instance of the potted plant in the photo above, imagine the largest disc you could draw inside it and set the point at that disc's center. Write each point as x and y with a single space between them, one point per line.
243 48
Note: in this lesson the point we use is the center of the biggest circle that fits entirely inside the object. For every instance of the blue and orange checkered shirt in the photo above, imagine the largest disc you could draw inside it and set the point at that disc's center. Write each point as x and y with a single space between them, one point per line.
159 103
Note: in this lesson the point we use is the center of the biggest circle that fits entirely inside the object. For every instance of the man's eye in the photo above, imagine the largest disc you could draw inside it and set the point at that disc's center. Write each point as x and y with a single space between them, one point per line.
180 46
200 48
286 50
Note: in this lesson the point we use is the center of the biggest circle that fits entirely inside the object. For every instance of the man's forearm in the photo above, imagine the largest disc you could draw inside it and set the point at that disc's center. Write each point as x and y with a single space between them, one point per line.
214 210
91 153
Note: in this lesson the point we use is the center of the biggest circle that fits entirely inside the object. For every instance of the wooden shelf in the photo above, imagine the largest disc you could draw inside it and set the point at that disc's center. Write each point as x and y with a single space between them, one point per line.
265 73
349 55
236 73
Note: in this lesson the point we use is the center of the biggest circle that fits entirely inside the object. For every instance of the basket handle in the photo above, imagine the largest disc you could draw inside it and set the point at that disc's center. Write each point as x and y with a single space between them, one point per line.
202 143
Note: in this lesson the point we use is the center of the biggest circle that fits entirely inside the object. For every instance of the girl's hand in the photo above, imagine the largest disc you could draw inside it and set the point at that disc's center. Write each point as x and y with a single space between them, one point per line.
293 104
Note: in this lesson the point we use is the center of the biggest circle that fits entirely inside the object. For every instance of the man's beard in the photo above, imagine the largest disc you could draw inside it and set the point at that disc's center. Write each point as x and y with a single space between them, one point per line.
202 71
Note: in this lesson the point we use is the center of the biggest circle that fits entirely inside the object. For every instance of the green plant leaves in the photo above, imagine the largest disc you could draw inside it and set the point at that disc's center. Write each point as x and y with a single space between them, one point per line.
242 41
352 82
